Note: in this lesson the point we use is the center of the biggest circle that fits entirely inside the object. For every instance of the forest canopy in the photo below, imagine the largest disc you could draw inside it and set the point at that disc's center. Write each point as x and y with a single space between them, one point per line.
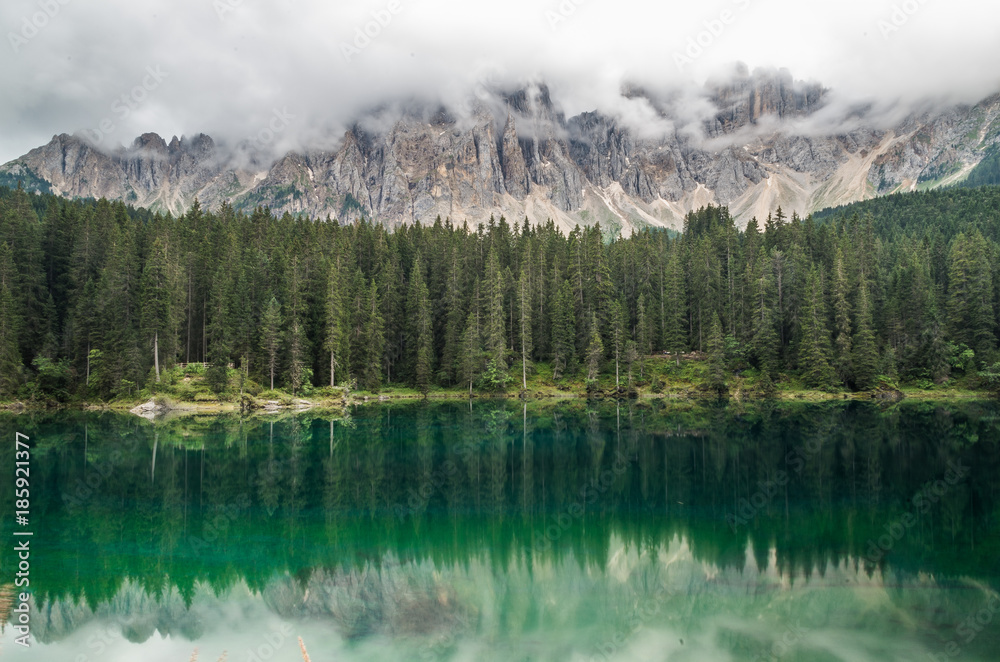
98 298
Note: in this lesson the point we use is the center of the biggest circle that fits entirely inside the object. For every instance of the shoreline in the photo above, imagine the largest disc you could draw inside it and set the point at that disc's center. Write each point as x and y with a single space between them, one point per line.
160 405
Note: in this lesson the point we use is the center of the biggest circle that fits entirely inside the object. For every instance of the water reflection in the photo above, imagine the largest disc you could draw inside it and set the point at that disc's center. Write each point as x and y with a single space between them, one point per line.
556 531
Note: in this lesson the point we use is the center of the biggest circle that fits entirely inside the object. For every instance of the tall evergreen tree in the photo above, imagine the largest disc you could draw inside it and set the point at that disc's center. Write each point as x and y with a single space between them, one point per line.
420 322
843 351
643 334
675 307
815 352
524 315
299 374
617 333
374 334
271 336
336 339
865 353
161 303
471 355
595 350
563 331
765 343
495 337
11 367
716 357
971 315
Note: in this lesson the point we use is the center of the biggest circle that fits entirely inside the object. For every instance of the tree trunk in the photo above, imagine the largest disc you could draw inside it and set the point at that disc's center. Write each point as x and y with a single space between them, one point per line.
332 371
190 312
156 354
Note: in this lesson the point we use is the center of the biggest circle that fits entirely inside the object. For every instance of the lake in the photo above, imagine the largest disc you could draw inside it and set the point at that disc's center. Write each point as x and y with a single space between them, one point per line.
495 530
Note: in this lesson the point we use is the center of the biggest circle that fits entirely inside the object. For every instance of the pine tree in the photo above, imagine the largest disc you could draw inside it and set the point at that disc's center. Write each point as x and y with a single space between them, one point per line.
471 351
843 351
270 336
716 357
815 351
336 337
864 355
419 318
595 351
524 314
299 374
495 337
971 315
454 323
11 366
374 334
765 343
617 334
563 331
674 334
643 333
631 356
161 303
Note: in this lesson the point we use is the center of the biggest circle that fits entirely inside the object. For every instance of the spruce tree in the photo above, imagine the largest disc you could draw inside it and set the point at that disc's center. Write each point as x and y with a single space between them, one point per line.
495 337
843 351
524 315
716 357
270 337
617 334
299 374
563 331
815 351
595 351
865 353
675 307
11 367
765 344
374 335
471 351
419 321
161 303
643 333
335 340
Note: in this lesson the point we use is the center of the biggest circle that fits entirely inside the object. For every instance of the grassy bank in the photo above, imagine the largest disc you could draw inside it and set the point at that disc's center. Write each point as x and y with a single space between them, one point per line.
188 388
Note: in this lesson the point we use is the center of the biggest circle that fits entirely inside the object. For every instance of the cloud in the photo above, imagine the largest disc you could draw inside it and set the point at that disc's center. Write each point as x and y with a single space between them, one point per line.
230 65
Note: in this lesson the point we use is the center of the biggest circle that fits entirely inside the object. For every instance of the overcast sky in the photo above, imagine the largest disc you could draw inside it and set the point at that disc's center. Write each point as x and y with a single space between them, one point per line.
224 67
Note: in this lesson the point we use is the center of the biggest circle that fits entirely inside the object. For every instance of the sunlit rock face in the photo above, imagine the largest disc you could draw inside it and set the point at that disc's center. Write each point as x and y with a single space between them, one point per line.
754 142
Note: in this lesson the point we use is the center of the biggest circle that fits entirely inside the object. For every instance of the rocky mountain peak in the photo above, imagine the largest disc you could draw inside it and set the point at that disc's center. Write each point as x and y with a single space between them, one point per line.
524 158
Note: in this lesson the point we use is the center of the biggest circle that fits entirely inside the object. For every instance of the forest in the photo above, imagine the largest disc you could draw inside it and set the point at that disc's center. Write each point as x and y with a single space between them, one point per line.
98 299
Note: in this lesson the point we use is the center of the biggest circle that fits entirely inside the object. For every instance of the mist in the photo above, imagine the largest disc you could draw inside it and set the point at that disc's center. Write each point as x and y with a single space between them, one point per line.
293 75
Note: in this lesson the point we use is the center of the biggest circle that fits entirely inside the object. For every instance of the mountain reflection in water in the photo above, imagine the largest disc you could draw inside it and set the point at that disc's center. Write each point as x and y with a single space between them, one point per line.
498 531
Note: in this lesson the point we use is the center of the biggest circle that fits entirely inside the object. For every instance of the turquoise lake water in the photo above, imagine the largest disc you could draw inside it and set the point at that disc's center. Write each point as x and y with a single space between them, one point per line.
503 531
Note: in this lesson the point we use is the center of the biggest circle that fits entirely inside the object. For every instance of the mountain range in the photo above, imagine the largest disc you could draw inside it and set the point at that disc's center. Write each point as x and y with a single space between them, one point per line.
758 141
